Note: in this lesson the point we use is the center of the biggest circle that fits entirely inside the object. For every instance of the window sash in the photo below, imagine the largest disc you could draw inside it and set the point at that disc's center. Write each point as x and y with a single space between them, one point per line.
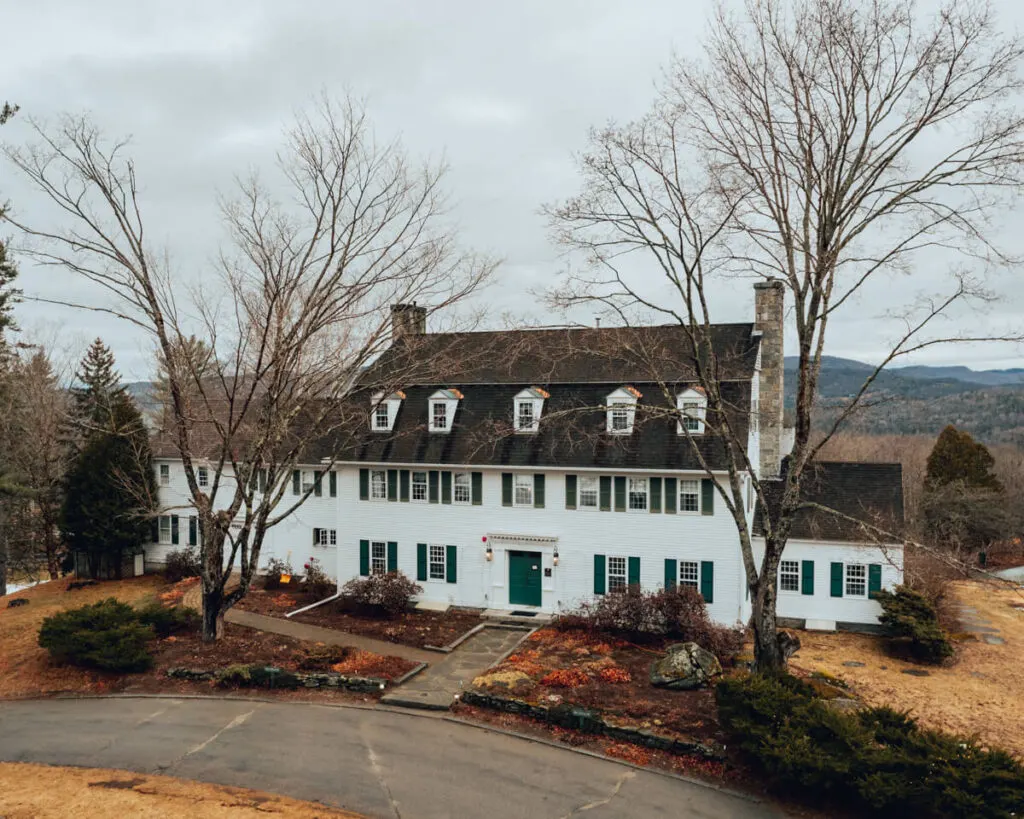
620 419
203 476
461 488
165 529
691 416
439 415
689 574
856 580
437 562
524 490
524 416
378 484
308 481
378 557
617 577
689 496
789 576
638 494
588 492
327 537
381 417
165 474
419 486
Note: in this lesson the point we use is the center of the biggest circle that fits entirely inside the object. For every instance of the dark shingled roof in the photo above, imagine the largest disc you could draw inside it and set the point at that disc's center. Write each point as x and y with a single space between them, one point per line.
867 492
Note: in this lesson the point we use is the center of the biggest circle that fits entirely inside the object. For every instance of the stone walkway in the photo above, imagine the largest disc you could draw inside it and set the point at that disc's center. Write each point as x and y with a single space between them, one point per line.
973 623
435 688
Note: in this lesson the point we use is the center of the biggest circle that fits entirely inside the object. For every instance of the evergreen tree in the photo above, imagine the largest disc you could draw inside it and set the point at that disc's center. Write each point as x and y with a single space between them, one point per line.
958 458
110 491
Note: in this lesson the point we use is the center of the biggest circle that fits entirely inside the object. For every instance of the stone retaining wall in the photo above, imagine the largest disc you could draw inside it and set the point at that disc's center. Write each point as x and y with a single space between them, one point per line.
591 721
325 679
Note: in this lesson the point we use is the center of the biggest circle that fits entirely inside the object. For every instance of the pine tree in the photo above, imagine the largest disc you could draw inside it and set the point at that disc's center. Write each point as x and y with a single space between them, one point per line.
110 490
958 458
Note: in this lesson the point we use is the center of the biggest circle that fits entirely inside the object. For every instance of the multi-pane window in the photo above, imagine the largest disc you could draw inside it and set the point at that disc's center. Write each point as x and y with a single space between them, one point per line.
461 492
308 479
616 573
856 580
378 557
203 476
437 562
524 415
165 474
620 418
165 528
380 417
638 494
789 576
689 574
378 484
691 416
689 496
326 537
439 415
419 486
588 492
524 490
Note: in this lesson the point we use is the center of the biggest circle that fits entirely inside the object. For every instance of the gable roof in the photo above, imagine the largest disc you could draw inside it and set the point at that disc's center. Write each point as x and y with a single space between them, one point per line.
867 492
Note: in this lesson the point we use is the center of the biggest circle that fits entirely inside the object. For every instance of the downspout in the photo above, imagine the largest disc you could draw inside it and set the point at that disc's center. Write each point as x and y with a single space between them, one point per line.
334 596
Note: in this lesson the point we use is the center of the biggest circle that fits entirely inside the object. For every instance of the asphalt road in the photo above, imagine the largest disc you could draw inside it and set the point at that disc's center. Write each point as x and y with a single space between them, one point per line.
377 763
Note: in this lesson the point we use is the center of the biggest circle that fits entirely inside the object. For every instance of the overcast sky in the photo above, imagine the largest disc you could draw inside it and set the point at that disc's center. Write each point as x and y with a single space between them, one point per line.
505 91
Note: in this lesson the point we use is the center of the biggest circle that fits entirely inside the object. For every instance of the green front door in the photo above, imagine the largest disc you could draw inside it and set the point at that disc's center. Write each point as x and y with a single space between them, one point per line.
524 578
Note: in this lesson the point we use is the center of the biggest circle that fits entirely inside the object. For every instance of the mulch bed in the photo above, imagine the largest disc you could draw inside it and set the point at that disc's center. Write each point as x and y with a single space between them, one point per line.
414 628
610 675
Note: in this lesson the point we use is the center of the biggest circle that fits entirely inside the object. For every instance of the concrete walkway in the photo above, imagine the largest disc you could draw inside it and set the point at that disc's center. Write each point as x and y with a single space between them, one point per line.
372 762
435 688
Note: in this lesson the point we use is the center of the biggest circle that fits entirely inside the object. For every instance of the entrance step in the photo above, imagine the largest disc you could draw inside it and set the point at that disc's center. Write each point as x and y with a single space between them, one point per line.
432 605
517 617
424 700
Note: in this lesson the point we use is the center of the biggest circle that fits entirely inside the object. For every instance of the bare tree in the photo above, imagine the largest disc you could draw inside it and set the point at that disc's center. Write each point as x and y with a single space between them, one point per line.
297 308
824 144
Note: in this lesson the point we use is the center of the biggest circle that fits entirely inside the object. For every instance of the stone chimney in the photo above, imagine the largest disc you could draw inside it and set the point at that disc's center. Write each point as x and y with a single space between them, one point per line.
769 297
407 320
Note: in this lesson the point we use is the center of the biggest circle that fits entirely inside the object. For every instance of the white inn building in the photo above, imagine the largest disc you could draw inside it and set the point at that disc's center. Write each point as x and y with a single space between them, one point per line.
531 470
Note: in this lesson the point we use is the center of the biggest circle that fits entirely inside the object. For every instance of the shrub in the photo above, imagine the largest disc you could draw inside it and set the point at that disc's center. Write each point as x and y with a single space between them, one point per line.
910 616
566 678
316 581
106 635
321 658
166 621
389 594
876 761
275 568
678 613
182 563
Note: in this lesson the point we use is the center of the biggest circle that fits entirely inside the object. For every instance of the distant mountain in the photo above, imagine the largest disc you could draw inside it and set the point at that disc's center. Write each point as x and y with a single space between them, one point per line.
992 378
144 395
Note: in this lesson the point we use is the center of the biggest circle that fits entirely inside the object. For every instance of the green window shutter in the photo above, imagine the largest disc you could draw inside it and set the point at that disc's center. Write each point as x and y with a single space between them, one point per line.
570 491
807 577
506 488
193 530
655 500
364 558
598 574
707 581
606 493
296 482
154 530
318 484
620 493
332 484
477 483
364 484
707 497
633 571
451 564
392 484
671 573
421 562
671 495
434 478
874 579
837 579
316 536
392 556
174 529
446 487
404 485
538 491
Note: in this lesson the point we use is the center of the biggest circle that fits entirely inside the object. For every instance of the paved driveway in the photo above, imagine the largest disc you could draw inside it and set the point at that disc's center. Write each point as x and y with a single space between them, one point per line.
377 763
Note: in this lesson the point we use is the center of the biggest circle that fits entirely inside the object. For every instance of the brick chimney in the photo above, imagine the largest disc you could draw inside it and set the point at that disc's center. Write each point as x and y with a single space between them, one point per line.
407 320
769 298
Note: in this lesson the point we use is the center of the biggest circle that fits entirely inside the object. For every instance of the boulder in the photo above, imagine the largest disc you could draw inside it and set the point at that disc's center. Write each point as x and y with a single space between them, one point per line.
13 604
685 667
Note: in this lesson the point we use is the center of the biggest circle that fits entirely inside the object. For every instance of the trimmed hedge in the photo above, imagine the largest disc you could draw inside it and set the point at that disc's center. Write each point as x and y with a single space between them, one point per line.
876 761
106 635
167 621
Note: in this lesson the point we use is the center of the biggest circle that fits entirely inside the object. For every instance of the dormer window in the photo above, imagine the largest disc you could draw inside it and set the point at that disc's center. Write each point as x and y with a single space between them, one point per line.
385 410
622 410
443 404
528 407
692 406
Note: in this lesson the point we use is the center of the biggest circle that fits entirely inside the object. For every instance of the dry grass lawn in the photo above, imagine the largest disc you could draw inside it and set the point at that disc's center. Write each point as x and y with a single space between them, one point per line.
42 792
981 693
25 669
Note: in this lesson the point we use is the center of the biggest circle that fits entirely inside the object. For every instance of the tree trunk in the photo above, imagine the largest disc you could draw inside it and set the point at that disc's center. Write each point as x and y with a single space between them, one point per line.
768 656
213 617
3 553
